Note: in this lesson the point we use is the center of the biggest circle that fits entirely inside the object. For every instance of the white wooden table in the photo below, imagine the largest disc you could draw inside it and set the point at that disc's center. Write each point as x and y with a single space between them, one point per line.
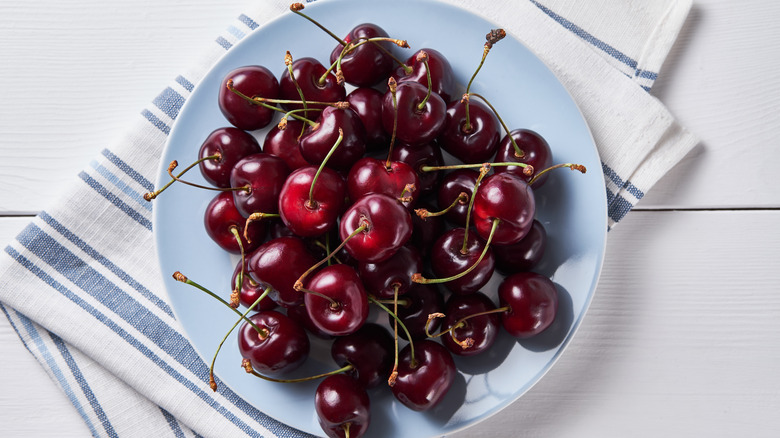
682 338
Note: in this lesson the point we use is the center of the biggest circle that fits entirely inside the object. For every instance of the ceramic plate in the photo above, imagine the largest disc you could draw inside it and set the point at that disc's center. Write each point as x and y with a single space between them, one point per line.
572 207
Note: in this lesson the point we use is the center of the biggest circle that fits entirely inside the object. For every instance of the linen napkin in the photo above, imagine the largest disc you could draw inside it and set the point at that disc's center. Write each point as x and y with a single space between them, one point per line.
82 288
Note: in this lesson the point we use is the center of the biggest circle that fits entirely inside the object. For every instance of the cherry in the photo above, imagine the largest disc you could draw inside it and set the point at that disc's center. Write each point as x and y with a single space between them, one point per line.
420 114
388 227
249 290
452 185
311 212
394 275
442 78
280 347
419 301
231 144
424 376
263 175
523 255
252 80
470 335
532 302
225 225
283 143
426 154
339 305
315 83
277 264
367 103
393 178
318 140
426 231
470 132
449 259
536 152
370 352
506 197
301 316
367 64
343 407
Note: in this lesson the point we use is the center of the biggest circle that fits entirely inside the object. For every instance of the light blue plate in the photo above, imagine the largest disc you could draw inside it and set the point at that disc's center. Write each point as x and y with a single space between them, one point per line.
572 207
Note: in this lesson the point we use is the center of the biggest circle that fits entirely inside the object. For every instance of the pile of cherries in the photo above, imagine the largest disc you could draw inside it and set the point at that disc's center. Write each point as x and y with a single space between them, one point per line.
349 204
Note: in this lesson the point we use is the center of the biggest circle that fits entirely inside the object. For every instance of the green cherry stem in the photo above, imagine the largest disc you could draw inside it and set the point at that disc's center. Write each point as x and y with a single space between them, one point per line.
493 37
256 216
518 152
151 195
391 380
423 57
247 365
527 168
257 101
298 7
423 213
482 172
465 343
571 166
392 86
311 203
298 285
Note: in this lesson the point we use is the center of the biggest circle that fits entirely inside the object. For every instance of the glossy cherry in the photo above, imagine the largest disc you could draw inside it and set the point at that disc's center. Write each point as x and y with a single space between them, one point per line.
447 259
281 347
250 290
345 309
313 216
317 141
383 278
481 331
251 81
506 197
536 152
263 175
307 73
419 301
342 406
426 154
367 64
423 381
452 185
533 303
283 143
442 76
415 125
301 316
367 103
523 255
231 144
370 175
277 264
370 352
472 140
426 231
221 216
389 226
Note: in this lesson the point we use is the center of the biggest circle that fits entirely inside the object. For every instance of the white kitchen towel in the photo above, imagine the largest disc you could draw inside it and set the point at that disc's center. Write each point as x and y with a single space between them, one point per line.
82 287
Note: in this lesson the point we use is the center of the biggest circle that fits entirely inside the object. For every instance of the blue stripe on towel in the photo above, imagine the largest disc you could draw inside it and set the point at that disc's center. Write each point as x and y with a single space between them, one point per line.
154 120
223 42
181 80
627 185
130 211
169 102
124 188
250 23
173 423
132 173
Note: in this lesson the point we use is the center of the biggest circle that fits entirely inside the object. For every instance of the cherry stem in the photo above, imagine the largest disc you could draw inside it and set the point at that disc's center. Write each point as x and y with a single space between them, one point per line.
312 203
333 303
349 47
297 7
423 56
288 61
326 246
151 195
468 342
394 373
425 214
392 85
178 276
571 166
404 198
212 382
345 427
255 101
418 278
482 172
234 231
401 302
372 299
247 365
518 152
298 285
527 168
256 216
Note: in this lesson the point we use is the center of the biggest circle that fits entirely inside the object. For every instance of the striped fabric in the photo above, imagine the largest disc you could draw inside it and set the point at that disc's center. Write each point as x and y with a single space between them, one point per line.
81 284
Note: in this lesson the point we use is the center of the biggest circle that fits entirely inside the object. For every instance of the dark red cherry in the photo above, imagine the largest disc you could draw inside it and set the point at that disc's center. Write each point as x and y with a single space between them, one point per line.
506 197
307 73
250 290
382 278
370 175
311 217
426 231
414 125
533 303
442 76
343 407
264 175
452 185
536 152
370 352
317 142
232 144
523 255
472 143
389 227
251 81
481 331
281 347
367 64
427 154
277 264
346 310
301 316
367 103
447 260
221 216
423 381
283 143
419 301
